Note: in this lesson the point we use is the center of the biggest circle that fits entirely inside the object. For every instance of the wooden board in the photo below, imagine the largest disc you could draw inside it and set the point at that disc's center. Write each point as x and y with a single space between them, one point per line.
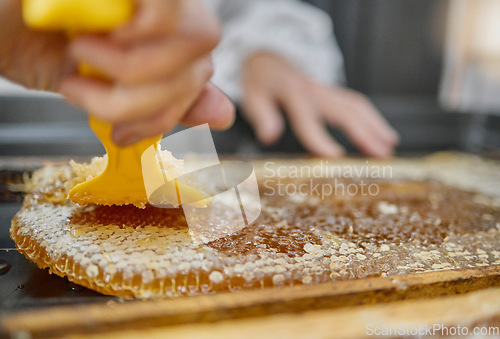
448 316
203 309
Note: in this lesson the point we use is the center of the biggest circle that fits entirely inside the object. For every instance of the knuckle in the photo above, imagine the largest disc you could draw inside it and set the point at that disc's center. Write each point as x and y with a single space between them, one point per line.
211 34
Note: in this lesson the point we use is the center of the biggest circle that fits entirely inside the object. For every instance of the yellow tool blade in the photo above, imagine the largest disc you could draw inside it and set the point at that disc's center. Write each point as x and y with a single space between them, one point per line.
121 183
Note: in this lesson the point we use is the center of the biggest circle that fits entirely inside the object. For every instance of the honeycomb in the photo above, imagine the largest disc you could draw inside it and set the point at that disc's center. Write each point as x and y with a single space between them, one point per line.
437 213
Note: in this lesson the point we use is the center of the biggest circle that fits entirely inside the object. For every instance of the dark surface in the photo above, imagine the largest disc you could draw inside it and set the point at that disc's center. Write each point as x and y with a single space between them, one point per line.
44 126
390 47
24 285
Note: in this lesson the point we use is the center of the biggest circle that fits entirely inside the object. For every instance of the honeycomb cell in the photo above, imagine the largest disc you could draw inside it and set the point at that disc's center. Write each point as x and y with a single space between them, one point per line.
410 225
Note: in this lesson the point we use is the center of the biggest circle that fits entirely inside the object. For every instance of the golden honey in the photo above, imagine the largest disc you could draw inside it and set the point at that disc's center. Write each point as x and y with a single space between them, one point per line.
409 226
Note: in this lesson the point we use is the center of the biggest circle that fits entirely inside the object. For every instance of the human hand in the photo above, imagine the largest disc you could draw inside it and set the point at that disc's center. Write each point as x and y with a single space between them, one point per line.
271 83
158 68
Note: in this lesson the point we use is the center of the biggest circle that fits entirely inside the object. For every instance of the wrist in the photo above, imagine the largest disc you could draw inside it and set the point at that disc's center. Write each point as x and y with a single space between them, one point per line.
272 65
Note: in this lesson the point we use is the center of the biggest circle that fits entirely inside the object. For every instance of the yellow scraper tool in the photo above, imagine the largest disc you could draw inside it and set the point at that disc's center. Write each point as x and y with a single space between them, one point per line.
122 181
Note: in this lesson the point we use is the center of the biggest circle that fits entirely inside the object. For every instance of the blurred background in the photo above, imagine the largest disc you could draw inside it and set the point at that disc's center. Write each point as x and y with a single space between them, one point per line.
413 58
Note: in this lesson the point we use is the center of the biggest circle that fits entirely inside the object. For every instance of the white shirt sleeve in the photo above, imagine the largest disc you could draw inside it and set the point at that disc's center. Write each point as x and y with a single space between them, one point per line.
295 30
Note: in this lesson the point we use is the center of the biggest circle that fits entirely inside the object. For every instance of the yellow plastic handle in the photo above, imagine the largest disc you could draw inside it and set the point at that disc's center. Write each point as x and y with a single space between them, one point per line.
77 15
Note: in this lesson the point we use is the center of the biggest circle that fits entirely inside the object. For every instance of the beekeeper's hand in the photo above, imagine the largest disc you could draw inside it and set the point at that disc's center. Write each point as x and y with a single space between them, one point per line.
158 67
271 84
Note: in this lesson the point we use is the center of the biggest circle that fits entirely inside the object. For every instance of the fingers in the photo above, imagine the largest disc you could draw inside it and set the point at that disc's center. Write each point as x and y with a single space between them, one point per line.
150 60
157 66
116 103
158 17
263 114
211 107
309 126
149 48
151 17
270 81
374 118
132 132
359 119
